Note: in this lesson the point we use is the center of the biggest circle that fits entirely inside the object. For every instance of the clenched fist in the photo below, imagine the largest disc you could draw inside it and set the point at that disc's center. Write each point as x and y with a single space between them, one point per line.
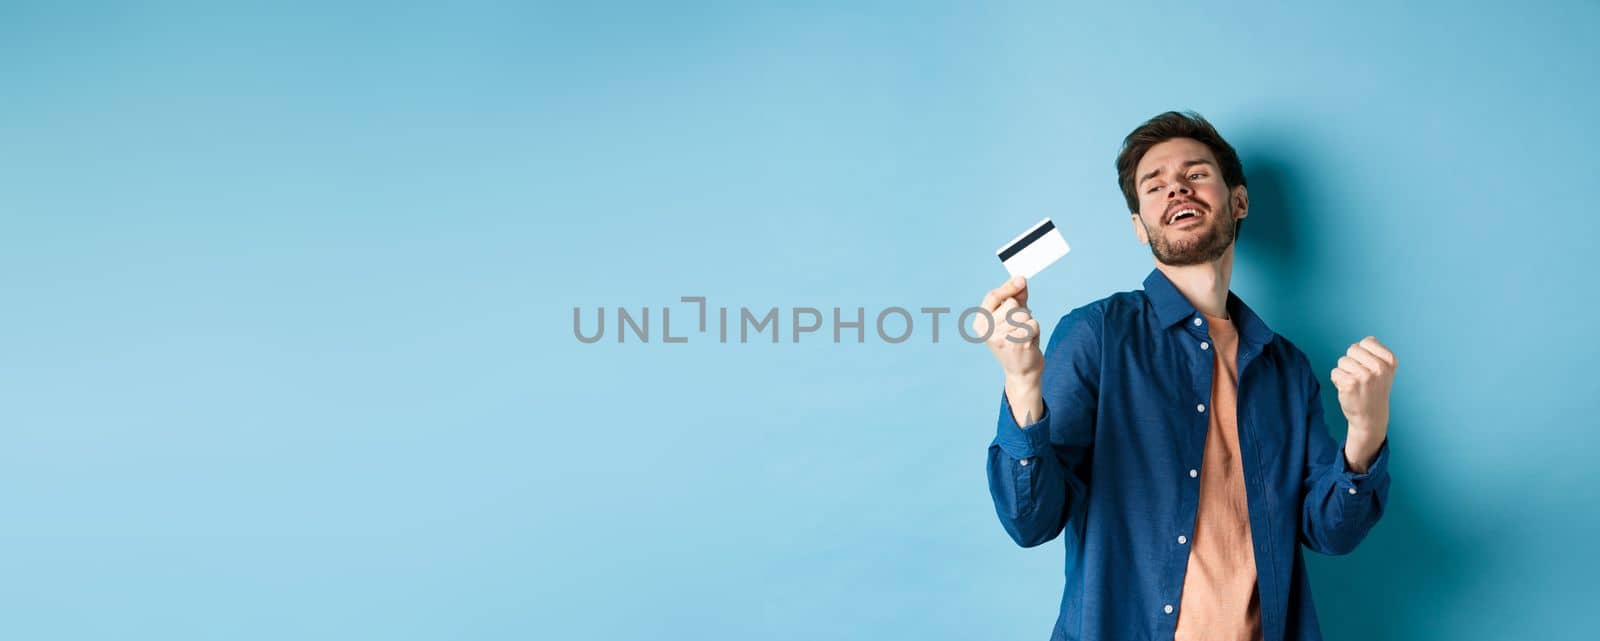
1363 377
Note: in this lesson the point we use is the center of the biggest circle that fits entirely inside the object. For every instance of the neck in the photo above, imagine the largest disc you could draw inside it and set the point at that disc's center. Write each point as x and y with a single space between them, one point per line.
1204 285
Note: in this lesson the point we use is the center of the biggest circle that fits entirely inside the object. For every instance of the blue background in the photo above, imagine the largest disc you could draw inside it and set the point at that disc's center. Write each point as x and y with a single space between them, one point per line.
287 338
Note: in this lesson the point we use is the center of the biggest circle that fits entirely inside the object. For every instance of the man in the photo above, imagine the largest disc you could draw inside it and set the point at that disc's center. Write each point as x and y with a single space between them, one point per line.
1172 436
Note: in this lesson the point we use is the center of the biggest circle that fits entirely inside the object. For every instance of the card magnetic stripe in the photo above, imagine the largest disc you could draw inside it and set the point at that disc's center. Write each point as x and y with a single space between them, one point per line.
1027 240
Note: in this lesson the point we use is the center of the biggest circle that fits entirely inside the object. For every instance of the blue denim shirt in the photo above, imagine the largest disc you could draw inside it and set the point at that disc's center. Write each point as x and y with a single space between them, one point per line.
1113 465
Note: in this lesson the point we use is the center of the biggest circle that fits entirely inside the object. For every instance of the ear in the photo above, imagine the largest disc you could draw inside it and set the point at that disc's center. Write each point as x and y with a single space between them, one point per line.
1138 230
1241 202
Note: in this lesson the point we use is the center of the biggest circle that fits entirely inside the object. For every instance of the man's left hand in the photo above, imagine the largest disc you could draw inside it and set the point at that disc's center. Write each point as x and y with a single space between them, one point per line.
1363 378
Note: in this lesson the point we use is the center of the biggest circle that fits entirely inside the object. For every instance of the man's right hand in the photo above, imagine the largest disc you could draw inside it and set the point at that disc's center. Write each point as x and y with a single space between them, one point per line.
1014 342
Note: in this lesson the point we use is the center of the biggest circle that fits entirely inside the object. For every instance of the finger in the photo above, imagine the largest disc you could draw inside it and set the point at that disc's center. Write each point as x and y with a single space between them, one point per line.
1019 325
1013 312
1356 370
1005 306
1341 379
1004 291
983 326
991 299
1004 312
1366 358
1379 350
996 318
1017 330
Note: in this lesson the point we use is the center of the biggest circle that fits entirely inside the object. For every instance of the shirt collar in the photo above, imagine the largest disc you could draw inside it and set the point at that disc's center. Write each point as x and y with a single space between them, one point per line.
1172 308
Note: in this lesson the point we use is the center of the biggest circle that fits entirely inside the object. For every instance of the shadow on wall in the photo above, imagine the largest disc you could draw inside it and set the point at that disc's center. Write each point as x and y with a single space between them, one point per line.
1421 560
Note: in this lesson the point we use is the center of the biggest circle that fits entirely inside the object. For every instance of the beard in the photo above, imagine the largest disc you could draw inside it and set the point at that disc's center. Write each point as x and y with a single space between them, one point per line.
1204 247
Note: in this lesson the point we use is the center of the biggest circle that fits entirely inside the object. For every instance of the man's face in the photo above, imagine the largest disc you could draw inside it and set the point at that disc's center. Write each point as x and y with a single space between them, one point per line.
1186 214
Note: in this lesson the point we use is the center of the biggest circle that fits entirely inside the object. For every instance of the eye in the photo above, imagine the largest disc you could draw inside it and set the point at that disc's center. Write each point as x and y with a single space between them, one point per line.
1197 175
1153 189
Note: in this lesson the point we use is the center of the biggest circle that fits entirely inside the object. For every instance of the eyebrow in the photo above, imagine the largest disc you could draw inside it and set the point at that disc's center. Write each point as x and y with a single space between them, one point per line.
1186 164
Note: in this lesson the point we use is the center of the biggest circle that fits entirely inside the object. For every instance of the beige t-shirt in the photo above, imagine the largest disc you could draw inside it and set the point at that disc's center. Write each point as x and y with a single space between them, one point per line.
1220 601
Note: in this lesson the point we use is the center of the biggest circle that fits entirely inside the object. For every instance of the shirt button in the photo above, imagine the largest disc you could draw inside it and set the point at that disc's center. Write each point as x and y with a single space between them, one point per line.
1200 408
1022 462
1352 490
1197 321
1194 473
1167 609
1205 345
1182 539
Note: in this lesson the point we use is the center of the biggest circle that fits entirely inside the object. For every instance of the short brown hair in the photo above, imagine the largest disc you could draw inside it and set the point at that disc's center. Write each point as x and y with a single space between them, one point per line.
1166 127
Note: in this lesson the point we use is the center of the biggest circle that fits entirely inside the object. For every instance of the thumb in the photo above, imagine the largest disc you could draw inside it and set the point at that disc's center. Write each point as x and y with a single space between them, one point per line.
1022 290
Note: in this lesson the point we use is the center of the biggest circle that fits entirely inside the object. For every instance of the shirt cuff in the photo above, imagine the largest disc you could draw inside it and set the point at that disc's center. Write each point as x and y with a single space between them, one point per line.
1377 473
1022 441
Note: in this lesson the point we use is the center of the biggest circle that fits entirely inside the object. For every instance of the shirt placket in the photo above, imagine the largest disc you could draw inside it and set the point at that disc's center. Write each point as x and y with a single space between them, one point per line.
1194 412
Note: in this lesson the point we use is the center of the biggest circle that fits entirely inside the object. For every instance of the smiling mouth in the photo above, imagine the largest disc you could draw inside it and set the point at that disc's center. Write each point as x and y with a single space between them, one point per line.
1184 214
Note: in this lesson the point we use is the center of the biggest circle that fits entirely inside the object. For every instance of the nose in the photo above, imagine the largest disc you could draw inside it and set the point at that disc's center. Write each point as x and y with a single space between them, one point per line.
1178 189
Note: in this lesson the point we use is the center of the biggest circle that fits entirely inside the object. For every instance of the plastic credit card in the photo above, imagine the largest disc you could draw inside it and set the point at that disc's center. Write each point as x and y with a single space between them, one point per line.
1034 250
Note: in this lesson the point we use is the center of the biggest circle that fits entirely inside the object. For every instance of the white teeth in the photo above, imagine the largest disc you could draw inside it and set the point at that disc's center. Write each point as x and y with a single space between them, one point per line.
1180 213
